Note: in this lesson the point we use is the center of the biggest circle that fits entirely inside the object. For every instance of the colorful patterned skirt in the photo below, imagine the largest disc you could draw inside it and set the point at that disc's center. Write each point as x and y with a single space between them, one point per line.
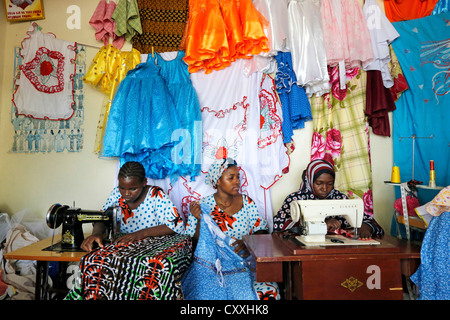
146 269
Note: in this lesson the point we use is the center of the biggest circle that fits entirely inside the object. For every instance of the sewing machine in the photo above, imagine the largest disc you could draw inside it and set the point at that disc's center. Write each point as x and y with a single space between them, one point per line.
311 216
72 220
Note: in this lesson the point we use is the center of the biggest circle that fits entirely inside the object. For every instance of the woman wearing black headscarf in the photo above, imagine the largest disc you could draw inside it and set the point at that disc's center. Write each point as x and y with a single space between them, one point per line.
318 183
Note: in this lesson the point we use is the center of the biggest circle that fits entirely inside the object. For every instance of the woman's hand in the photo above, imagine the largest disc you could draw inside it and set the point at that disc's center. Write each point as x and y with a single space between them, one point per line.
333 224
88 243
131 237
238 246
195 209
365 232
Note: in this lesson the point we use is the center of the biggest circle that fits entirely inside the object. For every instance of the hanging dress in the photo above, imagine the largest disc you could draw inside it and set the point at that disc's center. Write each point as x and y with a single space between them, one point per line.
109 67
175 73
219 32
400 10
141 122
45 85
309 58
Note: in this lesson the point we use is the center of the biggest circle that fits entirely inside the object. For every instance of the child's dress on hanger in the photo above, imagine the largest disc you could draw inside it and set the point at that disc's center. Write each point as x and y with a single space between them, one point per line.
188 153
141 122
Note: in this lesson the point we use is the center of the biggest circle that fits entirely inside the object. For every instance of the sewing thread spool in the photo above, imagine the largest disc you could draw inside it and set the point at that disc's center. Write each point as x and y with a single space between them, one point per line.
432 182
395 175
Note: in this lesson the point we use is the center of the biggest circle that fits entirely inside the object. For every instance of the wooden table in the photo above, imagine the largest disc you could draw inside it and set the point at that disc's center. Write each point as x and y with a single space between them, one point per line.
337 272
36 252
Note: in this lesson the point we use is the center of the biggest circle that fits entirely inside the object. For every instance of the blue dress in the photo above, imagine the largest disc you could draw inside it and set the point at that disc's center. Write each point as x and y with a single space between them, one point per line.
188 149
141 122
432 276
294 101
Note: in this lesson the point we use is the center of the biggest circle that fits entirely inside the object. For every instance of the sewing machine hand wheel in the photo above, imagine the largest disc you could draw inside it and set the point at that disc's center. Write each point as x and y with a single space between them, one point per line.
54 218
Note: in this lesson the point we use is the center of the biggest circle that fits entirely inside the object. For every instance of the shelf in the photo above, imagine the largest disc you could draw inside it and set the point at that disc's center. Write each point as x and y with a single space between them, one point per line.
421 186
415 222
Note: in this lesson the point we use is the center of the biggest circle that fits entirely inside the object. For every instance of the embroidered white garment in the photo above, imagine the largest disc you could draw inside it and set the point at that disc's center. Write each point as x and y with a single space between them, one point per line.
241 119
45 84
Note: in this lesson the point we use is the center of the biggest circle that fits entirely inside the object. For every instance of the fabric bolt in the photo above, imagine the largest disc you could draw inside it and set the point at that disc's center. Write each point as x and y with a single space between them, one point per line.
163 25
44 88
382 33
104 25
246 221
157 209
422 110
217 272
176 75
127 19
220 32
401 10
306 39
433 273
294 102
154 268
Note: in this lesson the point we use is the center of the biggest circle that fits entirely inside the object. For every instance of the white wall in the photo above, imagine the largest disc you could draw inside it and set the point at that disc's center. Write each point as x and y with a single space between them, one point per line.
35 181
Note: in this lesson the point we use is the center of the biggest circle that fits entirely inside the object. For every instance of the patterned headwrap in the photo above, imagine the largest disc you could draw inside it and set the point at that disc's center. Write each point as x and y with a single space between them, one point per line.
216 170
440 203
314 169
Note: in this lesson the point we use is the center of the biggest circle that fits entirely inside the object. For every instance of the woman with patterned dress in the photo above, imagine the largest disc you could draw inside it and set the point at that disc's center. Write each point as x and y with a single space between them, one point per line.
234 213
318 183
151 246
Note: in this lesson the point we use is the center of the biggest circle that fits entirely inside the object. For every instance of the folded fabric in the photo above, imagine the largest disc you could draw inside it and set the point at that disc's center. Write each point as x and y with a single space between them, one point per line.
104 25
128 21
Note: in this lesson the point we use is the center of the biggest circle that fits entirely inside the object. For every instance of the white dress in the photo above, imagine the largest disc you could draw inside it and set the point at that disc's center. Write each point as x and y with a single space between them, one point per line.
45 85
382 33
277 33
307 46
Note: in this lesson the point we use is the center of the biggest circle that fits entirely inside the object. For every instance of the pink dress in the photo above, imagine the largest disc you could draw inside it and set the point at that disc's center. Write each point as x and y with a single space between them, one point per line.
345 32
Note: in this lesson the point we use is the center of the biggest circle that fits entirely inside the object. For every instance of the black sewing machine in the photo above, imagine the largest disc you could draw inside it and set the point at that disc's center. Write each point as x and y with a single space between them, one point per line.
72 220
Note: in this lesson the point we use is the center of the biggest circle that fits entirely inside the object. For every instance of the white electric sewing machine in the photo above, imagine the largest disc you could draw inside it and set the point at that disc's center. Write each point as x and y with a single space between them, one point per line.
311 216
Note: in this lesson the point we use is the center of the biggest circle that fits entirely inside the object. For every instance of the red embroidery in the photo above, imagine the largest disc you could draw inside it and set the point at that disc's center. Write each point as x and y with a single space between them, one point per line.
41 70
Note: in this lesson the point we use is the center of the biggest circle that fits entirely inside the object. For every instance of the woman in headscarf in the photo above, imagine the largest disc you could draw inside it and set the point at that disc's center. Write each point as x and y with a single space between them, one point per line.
318 183
234 213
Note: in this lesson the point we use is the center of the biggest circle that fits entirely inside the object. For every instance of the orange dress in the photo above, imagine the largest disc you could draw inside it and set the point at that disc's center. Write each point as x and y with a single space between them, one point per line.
400 10
221 31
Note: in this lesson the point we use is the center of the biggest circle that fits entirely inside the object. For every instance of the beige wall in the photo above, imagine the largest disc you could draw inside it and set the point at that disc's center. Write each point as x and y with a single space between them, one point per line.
35 181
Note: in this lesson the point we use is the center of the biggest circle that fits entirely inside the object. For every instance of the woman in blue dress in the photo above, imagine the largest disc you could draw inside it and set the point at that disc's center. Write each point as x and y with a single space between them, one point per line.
234 213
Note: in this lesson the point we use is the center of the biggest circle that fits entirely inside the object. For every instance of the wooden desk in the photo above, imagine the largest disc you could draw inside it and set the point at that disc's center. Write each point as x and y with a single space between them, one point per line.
35 252
344 272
